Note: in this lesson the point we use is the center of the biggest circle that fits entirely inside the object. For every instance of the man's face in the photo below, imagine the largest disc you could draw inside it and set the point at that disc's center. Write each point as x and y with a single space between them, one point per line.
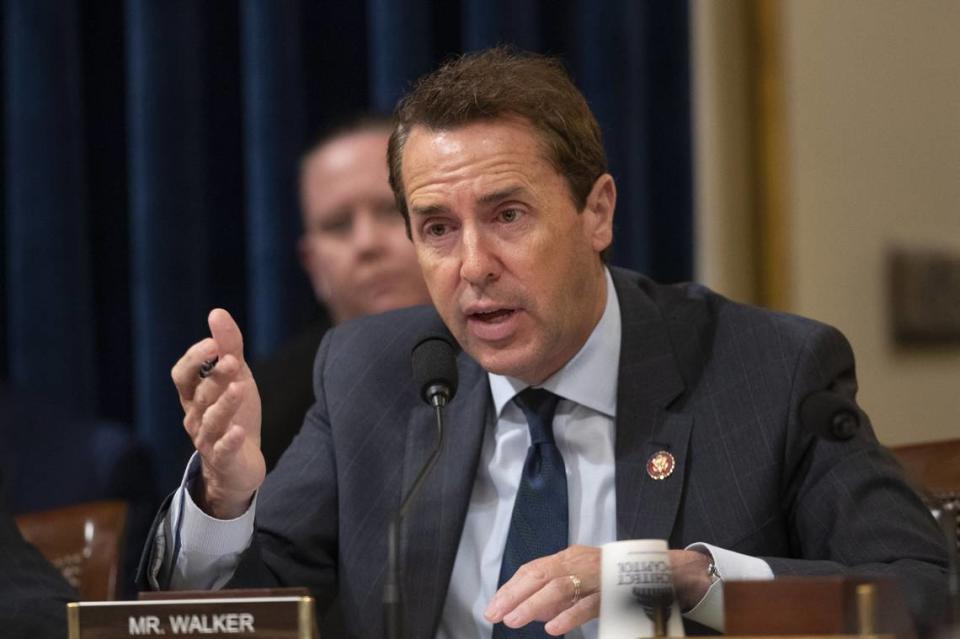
513 268
354 247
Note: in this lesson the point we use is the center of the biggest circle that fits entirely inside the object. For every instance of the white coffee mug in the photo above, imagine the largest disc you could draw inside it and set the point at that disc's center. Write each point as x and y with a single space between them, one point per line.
636 590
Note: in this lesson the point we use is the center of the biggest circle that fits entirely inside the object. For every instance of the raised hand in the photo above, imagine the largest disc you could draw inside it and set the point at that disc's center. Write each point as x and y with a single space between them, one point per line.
222 417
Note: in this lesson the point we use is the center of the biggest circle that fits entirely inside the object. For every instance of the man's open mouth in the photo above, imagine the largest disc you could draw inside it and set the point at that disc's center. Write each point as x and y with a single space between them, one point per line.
493 317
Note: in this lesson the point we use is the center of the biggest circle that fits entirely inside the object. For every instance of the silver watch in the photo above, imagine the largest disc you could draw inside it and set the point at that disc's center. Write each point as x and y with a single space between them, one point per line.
713 573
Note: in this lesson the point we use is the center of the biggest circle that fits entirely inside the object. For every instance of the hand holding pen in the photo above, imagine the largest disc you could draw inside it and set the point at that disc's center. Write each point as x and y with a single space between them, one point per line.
221 408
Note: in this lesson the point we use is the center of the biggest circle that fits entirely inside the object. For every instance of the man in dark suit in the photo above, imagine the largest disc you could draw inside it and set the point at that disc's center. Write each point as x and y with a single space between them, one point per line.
33 595
656 412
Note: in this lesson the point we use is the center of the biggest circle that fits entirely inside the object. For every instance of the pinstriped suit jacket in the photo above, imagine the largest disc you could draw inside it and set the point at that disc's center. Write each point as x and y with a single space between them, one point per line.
714 382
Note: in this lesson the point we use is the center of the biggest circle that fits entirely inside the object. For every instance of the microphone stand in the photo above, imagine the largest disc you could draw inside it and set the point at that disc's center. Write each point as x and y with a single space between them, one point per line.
392 604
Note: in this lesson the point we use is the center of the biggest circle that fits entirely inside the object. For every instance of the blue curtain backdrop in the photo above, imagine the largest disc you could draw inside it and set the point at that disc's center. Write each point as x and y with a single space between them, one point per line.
149 164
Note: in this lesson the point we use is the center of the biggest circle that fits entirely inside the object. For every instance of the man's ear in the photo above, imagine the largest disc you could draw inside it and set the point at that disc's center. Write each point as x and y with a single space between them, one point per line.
601 203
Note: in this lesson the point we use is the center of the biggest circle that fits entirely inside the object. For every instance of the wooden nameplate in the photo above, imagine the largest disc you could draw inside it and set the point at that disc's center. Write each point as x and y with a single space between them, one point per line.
250 614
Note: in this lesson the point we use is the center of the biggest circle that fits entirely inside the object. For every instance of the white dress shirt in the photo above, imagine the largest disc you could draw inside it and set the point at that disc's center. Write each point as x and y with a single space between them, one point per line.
206 550
583 427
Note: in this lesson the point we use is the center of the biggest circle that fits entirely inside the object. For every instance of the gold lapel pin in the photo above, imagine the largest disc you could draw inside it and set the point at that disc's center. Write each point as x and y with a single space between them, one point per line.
661 465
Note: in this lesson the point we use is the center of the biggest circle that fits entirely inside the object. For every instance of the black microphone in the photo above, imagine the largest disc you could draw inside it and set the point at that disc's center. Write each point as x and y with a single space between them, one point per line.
435 369
434 364
830 415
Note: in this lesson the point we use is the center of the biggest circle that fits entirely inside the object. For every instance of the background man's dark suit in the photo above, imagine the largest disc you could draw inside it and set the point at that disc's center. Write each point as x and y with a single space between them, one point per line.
715 383
33 595
284 380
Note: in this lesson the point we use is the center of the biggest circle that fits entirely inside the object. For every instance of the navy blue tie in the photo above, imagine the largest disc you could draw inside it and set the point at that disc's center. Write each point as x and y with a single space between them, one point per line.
540 521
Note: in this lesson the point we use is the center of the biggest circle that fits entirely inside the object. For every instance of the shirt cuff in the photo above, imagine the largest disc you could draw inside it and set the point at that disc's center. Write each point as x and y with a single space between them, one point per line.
201 533
206 549
731 566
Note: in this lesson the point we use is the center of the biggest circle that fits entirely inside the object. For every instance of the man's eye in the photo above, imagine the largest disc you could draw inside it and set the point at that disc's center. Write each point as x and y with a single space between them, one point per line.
339 226
510 215
436 229
338 222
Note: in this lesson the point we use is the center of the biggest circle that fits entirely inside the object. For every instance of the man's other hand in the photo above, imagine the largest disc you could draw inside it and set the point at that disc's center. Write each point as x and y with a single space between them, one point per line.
222 417
543 590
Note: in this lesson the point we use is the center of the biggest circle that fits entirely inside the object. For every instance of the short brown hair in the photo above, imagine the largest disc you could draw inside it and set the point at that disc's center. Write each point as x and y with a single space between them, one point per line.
499 82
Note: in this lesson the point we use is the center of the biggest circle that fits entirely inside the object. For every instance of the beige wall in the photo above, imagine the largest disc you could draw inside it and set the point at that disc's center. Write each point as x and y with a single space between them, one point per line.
722 148
872 92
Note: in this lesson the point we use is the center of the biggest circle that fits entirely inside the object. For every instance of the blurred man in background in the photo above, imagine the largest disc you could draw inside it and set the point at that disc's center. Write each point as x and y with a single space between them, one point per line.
354 249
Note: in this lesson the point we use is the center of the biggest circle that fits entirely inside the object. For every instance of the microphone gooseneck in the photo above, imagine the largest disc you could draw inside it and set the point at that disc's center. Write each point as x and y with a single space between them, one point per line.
435 373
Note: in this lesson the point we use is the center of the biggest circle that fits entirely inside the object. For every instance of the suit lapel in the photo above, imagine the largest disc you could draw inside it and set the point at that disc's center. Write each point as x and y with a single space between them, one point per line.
649 379
430 534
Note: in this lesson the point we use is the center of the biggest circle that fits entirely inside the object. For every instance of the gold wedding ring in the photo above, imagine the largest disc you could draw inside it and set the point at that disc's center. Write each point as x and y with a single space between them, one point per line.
576 588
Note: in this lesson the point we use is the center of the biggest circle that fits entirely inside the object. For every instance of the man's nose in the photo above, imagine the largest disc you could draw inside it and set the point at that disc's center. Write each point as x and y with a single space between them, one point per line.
367 233
480 263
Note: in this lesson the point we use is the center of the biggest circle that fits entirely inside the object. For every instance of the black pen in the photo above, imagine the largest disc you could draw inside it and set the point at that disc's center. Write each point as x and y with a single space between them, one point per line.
206 368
